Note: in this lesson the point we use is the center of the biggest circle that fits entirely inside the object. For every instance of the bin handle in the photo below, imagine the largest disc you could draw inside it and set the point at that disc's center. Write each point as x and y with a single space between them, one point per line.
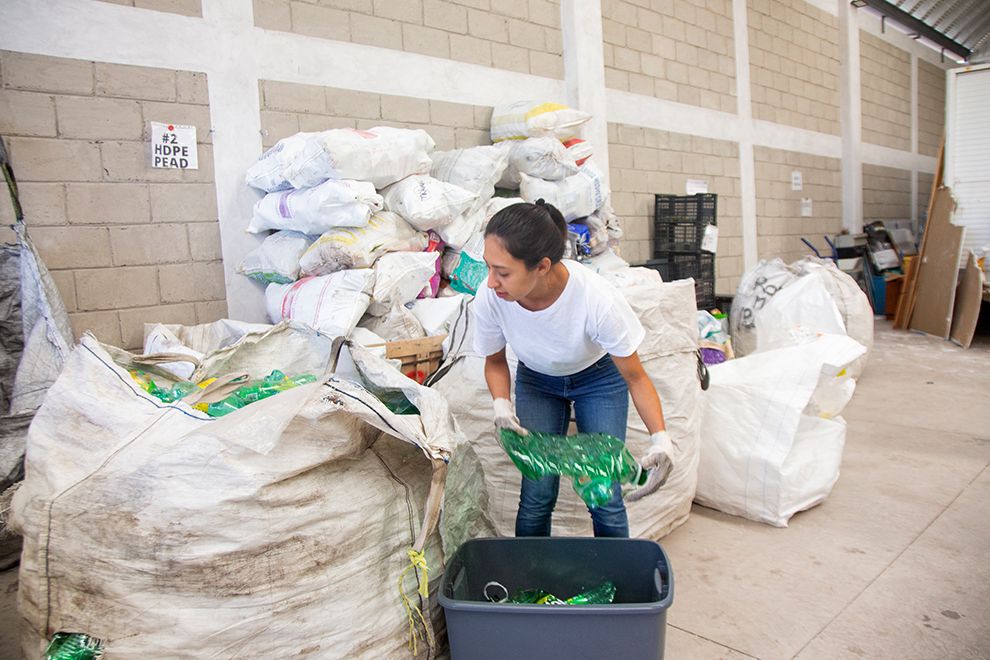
661 572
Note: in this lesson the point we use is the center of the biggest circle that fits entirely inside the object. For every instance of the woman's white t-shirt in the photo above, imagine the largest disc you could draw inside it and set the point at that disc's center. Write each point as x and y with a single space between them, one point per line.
588 320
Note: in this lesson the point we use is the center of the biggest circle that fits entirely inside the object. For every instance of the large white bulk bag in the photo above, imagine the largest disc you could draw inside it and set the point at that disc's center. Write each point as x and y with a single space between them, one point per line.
543 157
297 161
763 456
575 197
280 530
360 247
523 119
400 277
427 203
332 304
277 258
476 169
334 203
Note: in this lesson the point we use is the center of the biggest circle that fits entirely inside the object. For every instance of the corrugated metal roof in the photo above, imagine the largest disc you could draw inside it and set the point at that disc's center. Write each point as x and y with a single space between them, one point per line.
965 22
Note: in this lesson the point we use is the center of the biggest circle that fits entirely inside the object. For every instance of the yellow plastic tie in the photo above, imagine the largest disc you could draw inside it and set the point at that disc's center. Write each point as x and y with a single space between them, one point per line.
417 562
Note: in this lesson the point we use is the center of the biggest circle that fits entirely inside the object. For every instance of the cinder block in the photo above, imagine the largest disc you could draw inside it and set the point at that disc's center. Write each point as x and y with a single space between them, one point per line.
425 41
363 6
49 159
105 326
348 103
445 16
273 15
640 84
180 113
471 137
615 79
205 172
376 31
191 87
26 113
43 204
652 65
192 282
116 288
135 82
46 74
183 202
545 13
277 125
636 228
613 32
482 117
627 59
470 49
645 158
511 58
66 285
293 97
204 241
526 35
546 65
512 8
73 247
405 109
407 11
154 244
452 114
131 161
554 41
631 135
649 20
485 25
640 40
132 320
208 312
316 123
183 7
108 203
320 22
98 118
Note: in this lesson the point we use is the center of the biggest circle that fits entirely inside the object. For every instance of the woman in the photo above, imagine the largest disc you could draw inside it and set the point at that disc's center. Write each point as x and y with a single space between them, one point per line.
576 339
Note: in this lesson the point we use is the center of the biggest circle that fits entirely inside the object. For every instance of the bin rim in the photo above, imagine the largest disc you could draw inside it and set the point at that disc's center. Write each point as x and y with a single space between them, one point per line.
514 608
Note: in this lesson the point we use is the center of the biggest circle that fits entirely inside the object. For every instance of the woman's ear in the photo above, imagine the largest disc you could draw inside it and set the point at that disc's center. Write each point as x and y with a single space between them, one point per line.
544 266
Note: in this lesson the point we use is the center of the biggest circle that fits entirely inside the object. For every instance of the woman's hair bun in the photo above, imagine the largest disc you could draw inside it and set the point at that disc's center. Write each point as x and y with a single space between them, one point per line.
530 232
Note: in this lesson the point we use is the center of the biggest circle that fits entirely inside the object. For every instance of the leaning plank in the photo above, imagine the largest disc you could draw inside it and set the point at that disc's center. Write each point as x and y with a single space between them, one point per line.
969 298
938 270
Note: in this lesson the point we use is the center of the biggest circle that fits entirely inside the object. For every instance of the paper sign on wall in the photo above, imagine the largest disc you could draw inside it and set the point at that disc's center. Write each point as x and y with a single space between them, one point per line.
805 207
695 186
797 181
173 146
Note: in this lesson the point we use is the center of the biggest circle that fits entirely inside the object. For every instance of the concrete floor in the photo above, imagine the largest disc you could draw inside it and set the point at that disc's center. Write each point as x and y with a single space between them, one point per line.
893 565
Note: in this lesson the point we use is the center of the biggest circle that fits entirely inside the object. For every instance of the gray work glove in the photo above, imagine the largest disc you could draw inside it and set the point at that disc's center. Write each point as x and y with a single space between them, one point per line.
659 459
505 417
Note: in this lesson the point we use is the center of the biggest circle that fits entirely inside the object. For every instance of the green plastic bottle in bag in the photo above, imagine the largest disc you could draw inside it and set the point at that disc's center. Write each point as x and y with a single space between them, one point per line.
593 461
73 646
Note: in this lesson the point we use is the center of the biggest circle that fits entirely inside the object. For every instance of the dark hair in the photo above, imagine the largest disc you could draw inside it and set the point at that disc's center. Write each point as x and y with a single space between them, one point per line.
530 232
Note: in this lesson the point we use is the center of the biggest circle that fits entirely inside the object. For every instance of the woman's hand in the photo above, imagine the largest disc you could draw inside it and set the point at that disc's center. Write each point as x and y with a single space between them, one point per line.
498 378
505 417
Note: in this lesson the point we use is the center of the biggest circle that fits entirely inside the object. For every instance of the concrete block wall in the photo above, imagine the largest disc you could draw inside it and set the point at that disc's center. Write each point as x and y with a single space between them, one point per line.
518 35
183 7
645 161
924 193
780 225
794 64
678 50
931 108
885 79
887 193
126 244
287 108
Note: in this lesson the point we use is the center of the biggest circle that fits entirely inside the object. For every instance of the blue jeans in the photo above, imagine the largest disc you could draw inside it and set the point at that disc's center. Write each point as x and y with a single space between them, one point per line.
543 403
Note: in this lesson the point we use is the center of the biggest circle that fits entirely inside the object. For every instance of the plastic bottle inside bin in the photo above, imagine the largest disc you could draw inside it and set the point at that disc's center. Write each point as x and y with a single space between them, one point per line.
73 646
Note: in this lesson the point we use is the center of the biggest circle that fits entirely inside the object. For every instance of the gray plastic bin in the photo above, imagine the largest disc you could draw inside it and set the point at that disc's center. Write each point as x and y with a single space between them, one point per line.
631 628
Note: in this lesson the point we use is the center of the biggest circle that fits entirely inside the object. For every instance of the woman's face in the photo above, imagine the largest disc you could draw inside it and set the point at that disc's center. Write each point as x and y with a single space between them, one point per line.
508 276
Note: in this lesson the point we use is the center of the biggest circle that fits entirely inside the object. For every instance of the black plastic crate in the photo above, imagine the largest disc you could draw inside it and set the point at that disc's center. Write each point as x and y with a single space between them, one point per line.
679 221
698 266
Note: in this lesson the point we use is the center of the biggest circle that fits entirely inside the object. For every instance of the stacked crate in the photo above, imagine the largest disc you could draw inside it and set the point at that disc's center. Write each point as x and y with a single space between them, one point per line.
680 224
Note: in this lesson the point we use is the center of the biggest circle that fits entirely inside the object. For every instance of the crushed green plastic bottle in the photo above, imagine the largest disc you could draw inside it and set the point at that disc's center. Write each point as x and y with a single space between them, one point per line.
248 393
73 646
593 461
603 594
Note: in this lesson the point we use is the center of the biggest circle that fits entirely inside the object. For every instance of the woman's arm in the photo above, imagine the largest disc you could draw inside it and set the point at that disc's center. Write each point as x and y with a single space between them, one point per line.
497 375
644 395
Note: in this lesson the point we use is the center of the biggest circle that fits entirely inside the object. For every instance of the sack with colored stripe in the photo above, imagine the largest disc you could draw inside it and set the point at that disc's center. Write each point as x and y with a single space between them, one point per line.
360 247
334 203
523 119
332 304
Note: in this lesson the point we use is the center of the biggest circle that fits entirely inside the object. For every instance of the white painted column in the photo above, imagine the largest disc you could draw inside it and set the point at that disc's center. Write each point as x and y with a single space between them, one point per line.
584 71
235 113
850 117
914 141
747 167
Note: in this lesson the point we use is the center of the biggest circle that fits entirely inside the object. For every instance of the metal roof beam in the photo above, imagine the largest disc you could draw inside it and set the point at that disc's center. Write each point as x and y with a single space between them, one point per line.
898 15
974 31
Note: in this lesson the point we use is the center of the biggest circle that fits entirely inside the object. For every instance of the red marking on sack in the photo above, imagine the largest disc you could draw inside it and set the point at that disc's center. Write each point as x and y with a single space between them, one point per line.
290 297
368 135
